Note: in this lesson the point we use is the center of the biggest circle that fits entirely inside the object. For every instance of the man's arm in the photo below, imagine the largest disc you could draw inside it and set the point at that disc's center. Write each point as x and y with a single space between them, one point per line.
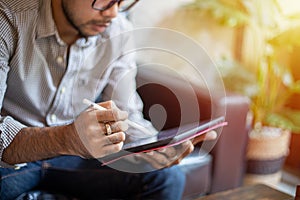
32 144
85 137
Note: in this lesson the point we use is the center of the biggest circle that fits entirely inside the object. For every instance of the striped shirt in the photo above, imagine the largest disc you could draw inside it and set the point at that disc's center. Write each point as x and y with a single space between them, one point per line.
41 86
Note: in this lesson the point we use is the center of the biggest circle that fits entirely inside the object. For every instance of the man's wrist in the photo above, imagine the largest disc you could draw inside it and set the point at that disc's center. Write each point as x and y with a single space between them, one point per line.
71 142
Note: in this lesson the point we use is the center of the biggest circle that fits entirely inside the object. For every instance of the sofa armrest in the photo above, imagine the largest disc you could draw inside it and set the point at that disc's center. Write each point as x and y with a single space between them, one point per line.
230 150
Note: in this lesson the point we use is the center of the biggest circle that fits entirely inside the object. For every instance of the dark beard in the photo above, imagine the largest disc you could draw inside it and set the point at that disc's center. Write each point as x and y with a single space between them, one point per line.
71 21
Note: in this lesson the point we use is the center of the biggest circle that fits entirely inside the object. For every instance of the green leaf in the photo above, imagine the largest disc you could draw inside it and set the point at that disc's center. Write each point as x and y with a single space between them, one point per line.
292 122
225 13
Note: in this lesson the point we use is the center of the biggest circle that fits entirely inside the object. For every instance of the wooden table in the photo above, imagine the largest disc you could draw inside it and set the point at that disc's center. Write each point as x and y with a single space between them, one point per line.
254 192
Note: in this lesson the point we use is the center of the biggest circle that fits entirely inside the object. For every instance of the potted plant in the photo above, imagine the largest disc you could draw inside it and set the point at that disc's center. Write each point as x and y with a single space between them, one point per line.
251 63
249 57
271 86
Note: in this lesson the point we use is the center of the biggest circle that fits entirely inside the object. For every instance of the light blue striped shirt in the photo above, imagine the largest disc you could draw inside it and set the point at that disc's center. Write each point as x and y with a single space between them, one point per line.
41 86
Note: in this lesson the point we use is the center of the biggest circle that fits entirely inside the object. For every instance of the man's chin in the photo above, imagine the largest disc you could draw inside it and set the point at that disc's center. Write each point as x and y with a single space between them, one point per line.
92 32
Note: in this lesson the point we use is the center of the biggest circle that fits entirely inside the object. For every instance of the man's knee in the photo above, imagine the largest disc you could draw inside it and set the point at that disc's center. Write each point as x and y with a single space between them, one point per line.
173 177
167 183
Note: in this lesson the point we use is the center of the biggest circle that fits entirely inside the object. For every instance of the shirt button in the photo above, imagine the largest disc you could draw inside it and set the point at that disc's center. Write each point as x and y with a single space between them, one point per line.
63 90
60 60
82 82
53 118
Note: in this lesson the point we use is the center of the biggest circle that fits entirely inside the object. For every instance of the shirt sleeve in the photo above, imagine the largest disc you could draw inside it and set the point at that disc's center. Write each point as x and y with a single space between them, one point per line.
9 127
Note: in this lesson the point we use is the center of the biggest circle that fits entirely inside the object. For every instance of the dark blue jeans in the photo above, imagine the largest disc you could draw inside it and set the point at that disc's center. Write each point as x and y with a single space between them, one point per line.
87 179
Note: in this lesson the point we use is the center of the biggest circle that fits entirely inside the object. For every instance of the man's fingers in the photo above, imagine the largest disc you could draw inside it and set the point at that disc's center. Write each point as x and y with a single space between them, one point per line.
119 126
183 150
165 157
169 152
111 115
115 138
109 149
107 104
156 159
112 112
150 160
211 135
186 148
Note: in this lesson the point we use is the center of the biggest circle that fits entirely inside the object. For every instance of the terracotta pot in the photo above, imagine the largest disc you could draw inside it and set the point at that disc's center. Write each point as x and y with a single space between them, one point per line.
266 154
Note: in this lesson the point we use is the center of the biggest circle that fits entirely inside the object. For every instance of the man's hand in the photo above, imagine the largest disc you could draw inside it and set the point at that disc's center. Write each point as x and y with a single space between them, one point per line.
91 139
169 156
85 137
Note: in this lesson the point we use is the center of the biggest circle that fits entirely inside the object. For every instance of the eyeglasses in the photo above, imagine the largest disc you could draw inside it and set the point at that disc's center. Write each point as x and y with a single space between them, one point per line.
124 5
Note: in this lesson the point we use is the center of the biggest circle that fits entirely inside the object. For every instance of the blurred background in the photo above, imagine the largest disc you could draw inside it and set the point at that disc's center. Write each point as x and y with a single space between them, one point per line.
255 45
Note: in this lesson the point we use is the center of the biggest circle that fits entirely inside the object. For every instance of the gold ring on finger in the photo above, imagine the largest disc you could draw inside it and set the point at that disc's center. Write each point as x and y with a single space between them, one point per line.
108 129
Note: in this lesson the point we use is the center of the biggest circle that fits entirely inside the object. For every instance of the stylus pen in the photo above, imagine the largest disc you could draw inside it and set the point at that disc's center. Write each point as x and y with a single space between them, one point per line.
130 123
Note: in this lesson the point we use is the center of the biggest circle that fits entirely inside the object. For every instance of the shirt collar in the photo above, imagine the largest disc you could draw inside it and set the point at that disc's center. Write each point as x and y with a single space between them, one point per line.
45 24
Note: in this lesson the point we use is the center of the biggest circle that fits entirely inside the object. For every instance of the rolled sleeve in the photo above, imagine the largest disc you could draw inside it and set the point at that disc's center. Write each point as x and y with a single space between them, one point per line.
9 128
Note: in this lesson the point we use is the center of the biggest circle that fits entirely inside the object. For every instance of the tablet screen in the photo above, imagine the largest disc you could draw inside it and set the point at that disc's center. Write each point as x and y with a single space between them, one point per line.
167 138
174 135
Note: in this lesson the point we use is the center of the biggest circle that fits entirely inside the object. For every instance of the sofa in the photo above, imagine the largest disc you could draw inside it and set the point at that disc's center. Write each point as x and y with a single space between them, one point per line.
213 166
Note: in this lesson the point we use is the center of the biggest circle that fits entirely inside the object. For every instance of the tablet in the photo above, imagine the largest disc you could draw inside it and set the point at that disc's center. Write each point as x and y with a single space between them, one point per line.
166 138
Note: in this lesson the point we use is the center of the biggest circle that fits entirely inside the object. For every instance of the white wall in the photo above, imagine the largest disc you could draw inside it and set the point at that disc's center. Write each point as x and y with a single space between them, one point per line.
148 13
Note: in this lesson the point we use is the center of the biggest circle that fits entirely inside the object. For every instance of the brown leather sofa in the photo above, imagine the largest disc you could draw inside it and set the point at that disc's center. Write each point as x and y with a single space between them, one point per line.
223 166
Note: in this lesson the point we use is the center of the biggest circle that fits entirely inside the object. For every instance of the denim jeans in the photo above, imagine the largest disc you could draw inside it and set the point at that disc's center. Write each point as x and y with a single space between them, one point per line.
87 179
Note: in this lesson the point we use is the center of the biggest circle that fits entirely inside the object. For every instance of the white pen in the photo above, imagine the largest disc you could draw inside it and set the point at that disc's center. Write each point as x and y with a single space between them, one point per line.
131 123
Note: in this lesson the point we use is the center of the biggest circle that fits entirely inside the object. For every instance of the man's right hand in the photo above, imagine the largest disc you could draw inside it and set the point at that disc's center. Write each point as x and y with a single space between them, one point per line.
90 138
85 137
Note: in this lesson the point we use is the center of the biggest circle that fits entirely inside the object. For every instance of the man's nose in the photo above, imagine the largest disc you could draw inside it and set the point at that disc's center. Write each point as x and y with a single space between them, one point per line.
112 12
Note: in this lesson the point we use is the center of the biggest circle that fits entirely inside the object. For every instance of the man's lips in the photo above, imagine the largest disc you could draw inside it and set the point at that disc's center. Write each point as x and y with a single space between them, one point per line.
103 24
99 27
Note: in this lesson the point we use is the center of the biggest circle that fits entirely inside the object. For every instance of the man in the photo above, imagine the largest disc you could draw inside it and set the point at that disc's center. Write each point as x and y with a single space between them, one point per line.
53 54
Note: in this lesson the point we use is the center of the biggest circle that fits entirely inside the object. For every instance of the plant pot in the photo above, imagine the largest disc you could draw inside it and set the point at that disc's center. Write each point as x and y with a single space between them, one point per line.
266 153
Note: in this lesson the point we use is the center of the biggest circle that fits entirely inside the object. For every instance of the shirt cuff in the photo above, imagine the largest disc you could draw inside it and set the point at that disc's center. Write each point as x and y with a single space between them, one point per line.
9 128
